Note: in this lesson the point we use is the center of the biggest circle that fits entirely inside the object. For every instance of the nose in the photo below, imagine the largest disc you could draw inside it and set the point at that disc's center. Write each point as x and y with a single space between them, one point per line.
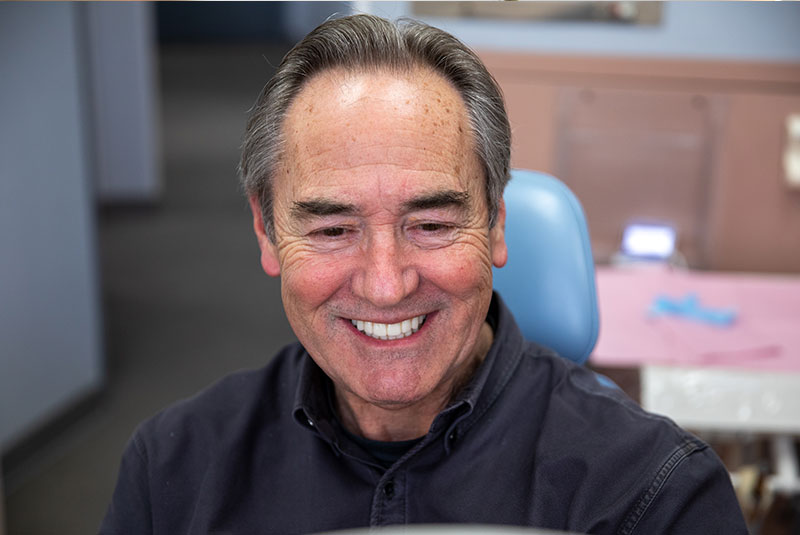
386 275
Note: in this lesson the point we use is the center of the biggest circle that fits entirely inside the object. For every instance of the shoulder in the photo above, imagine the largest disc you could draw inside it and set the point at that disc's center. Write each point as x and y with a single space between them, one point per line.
592 406
224 410
630 466
200 445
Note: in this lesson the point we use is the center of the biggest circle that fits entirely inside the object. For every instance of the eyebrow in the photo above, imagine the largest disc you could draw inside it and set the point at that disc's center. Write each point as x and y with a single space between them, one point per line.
438 199
324 207
321 208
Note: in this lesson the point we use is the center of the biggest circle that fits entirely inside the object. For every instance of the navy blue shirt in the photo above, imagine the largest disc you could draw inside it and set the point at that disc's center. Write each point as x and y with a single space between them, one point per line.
532 440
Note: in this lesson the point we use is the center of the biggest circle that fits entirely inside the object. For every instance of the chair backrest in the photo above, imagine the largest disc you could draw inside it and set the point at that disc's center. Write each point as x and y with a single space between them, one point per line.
548 282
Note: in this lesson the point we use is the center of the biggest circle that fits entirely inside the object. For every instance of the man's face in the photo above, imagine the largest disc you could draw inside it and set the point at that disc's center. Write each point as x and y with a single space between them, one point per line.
381 218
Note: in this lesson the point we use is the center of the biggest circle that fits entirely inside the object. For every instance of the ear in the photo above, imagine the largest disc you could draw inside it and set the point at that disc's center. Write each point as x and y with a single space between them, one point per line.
269 252
497 237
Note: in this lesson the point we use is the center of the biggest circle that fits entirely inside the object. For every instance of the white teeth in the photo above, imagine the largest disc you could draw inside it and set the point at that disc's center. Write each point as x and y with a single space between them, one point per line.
379 329
389 331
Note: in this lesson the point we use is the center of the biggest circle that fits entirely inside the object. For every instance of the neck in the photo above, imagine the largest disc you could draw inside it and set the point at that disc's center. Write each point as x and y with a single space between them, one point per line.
412 421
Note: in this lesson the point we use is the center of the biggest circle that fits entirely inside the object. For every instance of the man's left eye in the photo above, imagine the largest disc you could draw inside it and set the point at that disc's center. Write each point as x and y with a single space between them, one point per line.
432 227
432 234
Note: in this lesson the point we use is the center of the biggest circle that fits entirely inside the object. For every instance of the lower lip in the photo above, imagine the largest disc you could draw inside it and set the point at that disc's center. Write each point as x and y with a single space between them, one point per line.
396 341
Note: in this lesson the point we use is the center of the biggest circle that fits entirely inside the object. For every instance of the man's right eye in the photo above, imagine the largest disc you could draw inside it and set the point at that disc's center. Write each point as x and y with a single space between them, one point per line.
332 232
327 233
330 239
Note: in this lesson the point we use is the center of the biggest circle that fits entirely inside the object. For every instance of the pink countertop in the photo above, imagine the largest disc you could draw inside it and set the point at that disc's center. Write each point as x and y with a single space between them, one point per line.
764 336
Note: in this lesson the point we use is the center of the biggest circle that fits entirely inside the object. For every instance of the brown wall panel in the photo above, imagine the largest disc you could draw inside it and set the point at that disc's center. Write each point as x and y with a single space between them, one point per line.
756 223
695 143
638 156
530 109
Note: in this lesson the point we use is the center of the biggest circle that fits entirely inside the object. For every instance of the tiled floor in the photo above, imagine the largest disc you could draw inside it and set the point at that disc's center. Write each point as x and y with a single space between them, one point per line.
184 297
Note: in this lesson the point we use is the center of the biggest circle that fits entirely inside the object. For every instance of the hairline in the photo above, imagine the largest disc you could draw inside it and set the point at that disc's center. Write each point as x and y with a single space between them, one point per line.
359 70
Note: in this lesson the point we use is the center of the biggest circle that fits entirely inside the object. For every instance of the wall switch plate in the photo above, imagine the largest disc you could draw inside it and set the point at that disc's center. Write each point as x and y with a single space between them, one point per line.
791 151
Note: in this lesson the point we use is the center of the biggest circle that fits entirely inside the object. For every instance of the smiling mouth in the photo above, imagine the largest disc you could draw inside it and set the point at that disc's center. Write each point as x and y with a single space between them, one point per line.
390 331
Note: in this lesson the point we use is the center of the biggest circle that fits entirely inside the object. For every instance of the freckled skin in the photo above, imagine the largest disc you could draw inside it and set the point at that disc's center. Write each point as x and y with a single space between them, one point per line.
374 141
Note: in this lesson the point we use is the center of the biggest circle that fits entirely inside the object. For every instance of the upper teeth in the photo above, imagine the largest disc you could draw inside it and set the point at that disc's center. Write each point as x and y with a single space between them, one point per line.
389 331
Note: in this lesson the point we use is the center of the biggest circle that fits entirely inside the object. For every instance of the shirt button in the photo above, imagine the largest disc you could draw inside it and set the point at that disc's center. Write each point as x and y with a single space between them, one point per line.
388 489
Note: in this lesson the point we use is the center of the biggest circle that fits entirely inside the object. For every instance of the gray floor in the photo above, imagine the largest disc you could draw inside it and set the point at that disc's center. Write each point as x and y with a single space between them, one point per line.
184 297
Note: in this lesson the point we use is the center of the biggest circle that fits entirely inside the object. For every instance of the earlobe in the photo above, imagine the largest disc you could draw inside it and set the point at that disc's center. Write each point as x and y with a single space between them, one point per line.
497 237
269 252
269 260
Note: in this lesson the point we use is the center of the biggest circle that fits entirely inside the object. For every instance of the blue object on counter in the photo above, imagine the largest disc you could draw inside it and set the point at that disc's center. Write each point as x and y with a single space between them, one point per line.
689 307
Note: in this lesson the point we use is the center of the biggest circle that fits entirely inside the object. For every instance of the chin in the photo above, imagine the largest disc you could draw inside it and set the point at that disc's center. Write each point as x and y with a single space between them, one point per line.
393 395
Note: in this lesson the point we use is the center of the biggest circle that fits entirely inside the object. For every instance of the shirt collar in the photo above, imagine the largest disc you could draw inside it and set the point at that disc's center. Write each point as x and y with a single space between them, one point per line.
313 410
311 406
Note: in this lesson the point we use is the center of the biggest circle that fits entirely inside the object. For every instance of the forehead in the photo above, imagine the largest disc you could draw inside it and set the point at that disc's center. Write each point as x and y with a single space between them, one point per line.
380 122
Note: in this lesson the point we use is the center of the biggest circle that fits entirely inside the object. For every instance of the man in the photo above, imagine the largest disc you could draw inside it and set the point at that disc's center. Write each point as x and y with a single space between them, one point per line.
374 163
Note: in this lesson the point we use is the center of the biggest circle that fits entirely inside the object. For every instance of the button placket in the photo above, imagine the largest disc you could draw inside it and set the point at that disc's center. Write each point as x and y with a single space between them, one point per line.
389 506
388 489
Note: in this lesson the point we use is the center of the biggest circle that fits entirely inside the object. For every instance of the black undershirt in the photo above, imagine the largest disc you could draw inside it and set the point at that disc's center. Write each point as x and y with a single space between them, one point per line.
386 453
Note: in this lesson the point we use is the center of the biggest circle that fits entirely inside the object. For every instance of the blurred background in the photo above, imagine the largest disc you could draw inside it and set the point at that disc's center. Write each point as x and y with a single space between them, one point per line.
130 278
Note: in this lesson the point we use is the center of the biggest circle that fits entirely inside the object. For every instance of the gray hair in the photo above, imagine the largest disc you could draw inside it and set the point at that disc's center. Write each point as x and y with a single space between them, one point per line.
362 42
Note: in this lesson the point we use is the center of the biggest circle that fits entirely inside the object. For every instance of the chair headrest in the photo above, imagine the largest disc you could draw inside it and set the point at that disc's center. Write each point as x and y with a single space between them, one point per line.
549 282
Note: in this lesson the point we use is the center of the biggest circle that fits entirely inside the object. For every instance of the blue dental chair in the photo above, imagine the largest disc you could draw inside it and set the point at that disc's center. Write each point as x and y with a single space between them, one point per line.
548 282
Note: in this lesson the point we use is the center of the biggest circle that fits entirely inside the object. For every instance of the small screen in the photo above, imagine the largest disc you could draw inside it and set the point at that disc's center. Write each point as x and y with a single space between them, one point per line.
643 240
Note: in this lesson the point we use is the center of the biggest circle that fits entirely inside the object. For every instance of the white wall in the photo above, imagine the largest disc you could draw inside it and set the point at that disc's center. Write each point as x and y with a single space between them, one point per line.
49 311
723 30
124 104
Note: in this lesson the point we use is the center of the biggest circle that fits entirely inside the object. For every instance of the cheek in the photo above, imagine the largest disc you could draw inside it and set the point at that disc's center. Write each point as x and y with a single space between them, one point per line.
308 282
464 272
